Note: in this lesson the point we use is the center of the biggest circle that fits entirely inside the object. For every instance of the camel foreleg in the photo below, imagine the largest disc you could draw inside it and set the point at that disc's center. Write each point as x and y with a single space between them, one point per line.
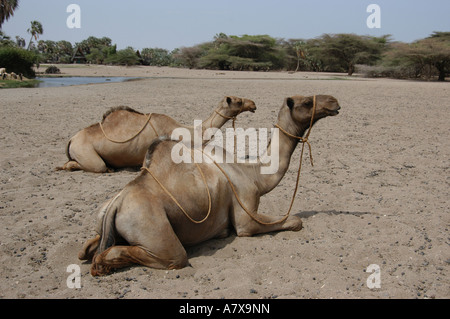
247 225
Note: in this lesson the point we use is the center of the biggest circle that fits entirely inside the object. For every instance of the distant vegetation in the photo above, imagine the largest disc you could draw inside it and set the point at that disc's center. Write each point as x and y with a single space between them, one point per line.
427 58
372 56
18 61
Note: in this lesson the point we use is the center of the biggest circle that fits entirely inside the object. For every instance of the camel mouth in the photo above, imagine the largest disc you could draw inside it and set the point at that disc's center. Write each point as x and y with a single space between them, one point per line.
252 109
333 112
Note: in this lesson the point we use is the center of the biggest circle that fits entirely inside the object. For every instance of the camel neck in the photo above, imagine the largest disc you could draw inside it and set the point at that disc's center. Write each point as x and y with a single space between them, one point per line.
285 146
218 118
213 121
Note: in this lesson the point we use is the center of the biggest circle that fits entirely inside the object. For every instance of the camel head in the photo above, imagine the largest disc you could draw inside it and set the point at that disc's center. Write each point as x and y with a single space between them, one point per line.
233 106
301 108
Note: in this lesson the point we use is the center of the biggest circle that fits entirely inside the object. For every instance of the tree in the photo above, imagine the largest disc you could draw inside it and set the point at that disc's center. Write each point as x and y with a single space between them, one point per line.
5 40
347 50
35 30
97 50
95 43
421 59
126 57
296 54
247 52
437 51
64 51
189 56
20 42
156 57
96 56
7 8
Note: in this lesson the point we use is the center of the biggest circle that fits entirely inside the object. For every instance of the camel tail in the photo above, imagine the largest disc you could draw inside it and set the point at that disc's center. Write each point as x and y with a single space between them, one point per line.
68 151
62 168
108 232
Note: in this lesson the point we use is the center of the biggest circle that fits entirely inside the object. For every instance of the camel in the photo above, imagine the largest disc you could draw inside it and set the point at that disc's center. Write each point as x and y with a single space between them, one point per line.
144 224
117 143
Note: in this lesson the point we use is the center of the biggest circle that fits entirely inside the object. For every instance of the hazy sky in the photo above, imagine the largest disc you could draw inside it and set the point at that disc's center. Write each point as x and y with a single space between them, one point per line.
175 23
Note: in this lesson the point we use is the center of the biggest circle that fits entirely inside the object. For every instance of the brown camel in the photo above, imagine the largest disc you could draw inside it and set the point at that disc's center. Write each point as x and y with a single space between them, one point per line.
117 141
143 224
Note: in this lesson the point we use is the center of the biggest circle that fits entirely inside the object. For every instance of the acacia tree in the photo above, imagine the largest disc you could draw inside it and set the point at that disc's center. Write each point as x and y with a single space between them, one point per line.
347 50
189 56
423 58
436 52
7 8
247 52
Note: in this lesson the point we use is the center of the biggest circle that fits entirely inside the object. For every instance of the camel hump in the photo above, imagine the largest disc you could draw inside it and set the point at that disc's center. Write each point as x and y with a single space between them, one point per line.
152 148
119 108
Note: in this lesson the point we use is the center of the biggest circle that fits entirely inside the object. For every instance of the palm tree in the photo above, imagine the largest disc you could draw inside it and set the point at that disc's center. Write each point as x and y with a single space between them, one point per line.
35 30
7 8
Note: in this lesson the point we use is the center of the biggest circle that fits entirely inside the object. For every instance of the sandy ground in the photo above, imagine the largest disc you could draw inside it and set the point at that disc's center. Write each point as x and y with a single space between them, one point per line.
378 193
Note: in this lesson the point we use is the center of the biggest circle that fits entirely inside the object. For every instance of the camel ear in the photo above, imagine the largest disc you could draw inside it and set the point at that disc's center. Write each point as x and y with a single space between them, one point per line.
290 102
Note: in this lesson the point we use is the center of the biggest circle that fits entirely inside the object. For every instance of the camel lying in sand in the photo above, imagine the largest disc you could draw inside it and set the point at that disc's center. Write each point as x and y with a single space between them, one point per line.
144 225
124 135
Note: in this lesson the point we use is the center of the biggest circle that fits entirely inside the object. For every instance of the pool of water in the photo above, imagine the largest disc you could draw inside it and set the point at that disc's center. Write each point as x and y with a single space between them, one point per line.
78 80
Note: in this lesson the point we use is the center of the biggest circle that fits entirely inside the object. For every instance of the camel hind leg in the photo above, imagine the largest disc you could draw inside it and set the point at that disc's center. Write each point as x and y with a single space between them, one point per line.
84 157
153 243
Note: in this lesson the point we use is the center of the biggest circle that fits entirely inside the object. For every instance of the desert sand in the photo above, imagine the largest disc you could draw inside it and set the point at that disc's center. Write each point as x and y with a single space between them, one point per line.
378 193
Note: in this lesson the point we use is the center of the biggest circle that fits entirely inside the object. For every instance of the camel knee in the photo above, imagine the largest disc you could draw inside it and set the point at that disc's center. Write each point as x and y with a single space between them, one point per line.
179 262
98 267
104 263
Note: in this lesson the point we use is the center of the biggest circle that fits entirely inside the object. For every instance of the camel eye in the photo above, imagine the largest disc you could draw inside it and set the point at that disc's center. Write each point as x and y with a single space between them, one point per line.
308 104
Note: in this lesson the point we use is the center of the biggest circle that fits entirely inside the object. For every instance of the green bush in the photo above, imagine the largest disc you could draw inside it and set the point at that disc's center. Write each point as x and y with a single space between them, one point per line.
126 57
18 61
